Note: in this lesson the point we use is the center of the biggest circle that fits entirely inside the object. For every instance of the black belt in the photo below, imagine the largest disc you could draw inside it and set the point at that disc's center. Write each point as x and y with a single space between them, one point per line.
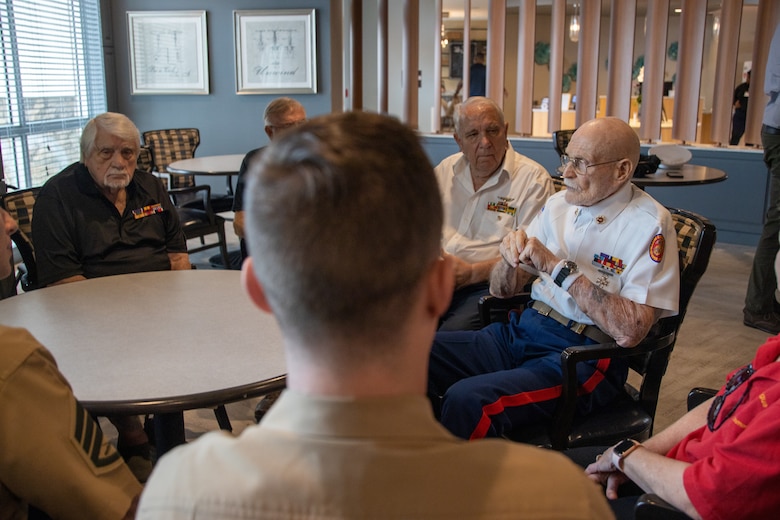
594 333
766 129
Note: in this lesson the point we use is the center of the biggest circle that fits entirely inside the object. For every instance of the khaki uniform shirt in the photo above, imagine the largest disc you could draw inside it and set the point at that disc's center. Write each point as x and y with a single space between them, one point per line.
381 458
52 453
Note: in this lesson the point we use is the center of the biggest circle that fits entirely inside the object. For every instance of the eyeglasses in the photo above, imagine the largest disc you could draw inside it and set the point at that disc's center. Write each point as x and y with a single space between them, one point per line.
580 165
734 382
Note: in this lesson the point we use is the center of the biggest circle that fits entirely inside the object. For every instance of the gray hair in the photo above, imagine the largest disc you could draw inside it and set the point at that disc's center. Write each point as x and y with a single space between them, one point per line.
279 107
118 125
473 103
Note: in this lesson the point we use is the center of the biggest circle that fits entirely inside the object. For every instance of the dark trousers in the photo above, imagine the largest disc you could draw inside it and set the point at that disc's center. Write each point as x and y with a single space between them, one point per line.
497 379
463 313
760 297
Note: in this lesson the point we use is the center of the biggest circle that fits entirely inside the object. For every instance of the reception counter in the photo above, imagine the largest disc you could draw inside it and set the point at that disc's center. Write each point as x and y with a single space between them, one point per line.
736 206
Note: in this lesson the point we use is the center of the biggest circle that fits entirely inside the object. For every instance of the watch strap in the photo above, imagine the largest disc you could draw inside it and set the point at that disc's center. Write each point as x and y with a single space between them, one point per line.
622 450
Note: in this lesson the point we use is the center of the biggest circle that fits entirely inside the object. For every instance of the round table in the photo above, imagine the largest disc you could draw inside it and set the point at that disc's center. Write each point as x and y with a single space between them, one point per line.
158 343
692 174
220 165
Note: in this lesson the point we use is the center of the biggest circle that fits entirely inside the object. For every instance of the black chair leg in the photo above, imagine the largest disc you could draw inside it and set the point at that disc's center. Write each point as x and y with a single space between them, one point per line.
222 418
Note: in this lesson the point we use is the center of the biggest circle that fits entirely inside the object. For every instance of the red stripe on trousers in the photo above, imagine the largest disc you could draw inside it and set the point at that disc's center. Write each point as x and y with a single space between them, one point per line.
534 396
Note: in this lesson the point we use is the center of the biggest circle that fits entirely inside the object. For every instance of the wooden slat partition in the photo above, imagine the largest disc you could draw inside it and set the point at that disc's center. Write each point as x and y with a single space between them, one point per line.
557 34
411 61
496 51
588 61
655 60
725 70
621 49
689 63
526 31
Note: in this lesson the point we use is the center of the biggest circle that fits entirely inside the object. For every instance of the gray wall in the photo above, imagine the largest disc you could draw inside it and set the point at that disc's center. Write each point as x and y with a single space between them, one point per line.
229 123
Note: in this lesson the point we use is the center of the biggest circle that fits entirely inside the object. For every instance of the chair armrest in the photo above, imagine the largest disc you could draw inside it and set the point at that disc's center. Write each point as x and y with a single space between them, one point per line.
653 507
699 395
183 197
563 418
493 309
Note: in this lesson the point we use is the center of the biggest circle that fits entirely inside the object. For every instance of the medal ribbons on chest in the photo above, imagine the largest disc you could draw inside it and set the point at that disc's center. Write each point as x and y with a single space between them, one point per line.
502 206
147 210
607 266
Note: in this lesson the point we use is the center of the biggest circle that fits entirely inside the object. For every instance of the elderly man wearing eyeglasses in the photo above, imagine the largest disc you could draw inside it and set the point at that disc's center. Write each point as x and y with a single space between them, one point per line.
598 252
720 460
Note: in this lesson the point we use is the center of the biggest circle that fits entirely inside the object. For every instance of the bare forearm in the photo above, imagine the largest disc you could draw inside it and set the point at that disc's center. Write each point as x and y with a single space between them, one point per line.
665 440
624 320
661 475
476 273
179 261
506 280
238 223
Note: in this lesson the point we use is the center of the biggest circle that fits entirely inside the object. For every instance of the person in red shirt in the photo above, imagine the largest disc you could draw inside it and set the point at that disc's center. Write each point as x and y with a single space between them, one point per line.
721 459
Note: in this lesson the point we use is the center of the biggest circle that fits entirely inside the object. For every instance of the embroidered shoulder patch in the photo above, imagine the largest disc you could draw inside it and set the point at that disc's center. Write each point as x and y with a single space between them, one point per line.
657 247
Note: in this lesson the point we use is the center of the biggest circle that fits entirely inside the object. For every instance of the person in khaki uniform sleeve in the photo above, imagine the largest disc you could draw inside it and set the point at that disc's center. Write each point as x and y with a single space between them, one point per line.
53 455
346 213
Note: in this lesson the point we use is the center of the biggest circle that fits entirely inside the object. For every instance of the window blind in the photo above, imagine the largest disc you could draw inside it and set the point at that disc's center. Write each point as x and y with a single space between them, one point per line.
52 83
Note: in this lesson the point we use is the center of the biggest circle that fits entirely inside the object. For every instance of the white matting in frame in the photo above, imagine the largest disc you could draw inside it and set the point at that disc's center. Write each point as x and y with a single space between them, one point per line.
276 51
168 52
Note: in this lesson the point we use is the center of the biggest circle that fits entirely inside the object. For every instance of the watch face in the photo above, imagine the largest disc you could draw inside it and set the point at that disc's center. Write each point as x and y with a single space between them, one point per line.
623 445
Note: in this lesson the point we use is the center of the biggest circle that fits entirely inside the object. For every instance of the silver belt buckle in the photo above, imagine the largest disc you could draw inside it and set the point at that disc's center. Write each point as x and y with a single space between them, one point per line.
579 327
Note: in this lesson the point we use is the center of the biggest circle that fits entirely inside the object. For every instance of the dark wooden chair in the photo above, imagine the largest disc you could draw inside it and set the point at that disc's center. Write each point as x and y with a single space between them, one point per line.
632 413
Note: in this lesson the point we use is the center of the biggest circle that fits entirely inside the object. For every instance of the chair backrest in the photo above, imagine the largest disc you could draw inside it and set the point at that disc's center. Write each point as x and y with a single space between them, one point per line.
696 237
19 204
145 162
561 140
172 145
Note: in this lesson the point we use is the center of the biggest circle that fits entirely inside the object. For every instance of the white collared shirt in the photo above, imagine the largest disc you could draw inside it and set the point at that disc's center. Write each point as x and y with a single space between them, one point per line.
475 222
625 244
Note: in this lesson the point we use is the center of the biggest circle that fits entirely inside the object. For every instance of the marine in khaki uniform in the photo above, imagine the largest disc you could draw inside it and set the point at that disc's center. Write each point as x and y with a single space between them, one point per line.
53 455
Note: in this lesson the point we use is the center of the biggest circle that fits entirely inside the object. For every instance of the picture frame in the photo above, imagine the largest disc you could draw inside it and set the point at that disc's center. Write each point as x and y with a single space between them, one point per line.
276 51
168 52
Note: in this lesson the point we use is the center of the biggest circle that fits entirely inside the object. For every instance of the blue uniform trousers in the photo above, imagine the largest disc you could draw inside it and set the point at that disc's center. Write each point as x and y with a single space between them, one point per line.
507 375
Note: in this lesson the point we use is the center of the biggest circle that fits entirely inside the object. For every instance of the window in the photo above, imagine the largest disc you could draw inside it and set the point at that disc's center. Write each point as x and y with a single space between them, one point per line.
52 84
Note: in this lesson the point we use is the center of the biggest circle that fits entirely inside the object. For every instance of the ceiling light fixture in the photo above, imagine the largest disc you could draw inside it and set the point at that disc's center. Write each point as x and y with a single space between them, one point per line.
574 25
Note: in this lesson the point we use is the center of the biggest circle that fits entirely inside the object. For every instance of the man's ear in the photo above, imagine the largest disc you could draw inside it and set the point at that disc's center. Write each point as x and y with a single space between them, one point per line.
625 170
457 140
441 283
269 131
252 287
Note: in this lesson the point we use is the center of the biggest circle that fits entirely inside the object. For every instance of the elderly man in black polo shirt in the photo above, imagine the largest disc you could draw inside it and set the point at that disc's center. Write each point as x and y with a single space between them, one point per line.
101 217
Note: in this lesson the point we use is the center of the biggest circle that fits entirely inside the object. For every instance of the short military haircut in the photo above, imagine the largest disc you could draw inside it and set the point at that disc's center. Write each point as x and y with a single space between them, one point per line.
118 125
472 103
344 218
278 108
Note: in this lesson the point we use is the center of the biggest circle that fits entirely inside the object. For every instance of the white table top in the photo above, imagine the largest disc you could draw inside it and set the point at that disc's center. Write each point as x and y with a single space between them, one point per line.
154 342
208 165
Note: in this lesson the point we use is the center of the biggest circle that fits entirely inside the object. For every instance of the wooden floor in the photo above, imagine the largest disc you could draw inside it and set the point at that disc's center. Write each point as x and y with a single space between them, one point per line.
712 340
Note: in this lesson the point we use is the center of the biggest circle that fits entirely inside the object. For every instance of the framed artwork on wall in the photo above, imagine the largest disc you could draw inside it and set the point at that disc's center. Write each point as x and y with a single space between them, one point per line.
276 51
168 52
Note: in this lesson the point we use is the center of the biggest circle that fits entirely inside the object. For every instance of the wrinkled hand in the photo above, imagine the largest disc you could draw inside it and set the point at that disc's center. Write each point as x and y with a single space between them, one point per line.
461 268
605 473
516 248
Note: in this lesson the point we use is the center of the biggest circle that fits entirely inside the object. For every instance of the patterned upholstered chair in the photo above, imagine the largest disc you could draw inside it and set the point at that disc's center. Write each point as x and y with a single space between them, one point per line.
172 145
175 144
631 414
20 206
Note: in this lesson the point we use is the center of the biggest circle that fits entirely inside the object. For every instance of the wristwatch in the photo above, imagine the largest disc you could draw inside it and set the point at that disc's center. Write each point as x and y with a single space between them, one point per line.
623 449
568 268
